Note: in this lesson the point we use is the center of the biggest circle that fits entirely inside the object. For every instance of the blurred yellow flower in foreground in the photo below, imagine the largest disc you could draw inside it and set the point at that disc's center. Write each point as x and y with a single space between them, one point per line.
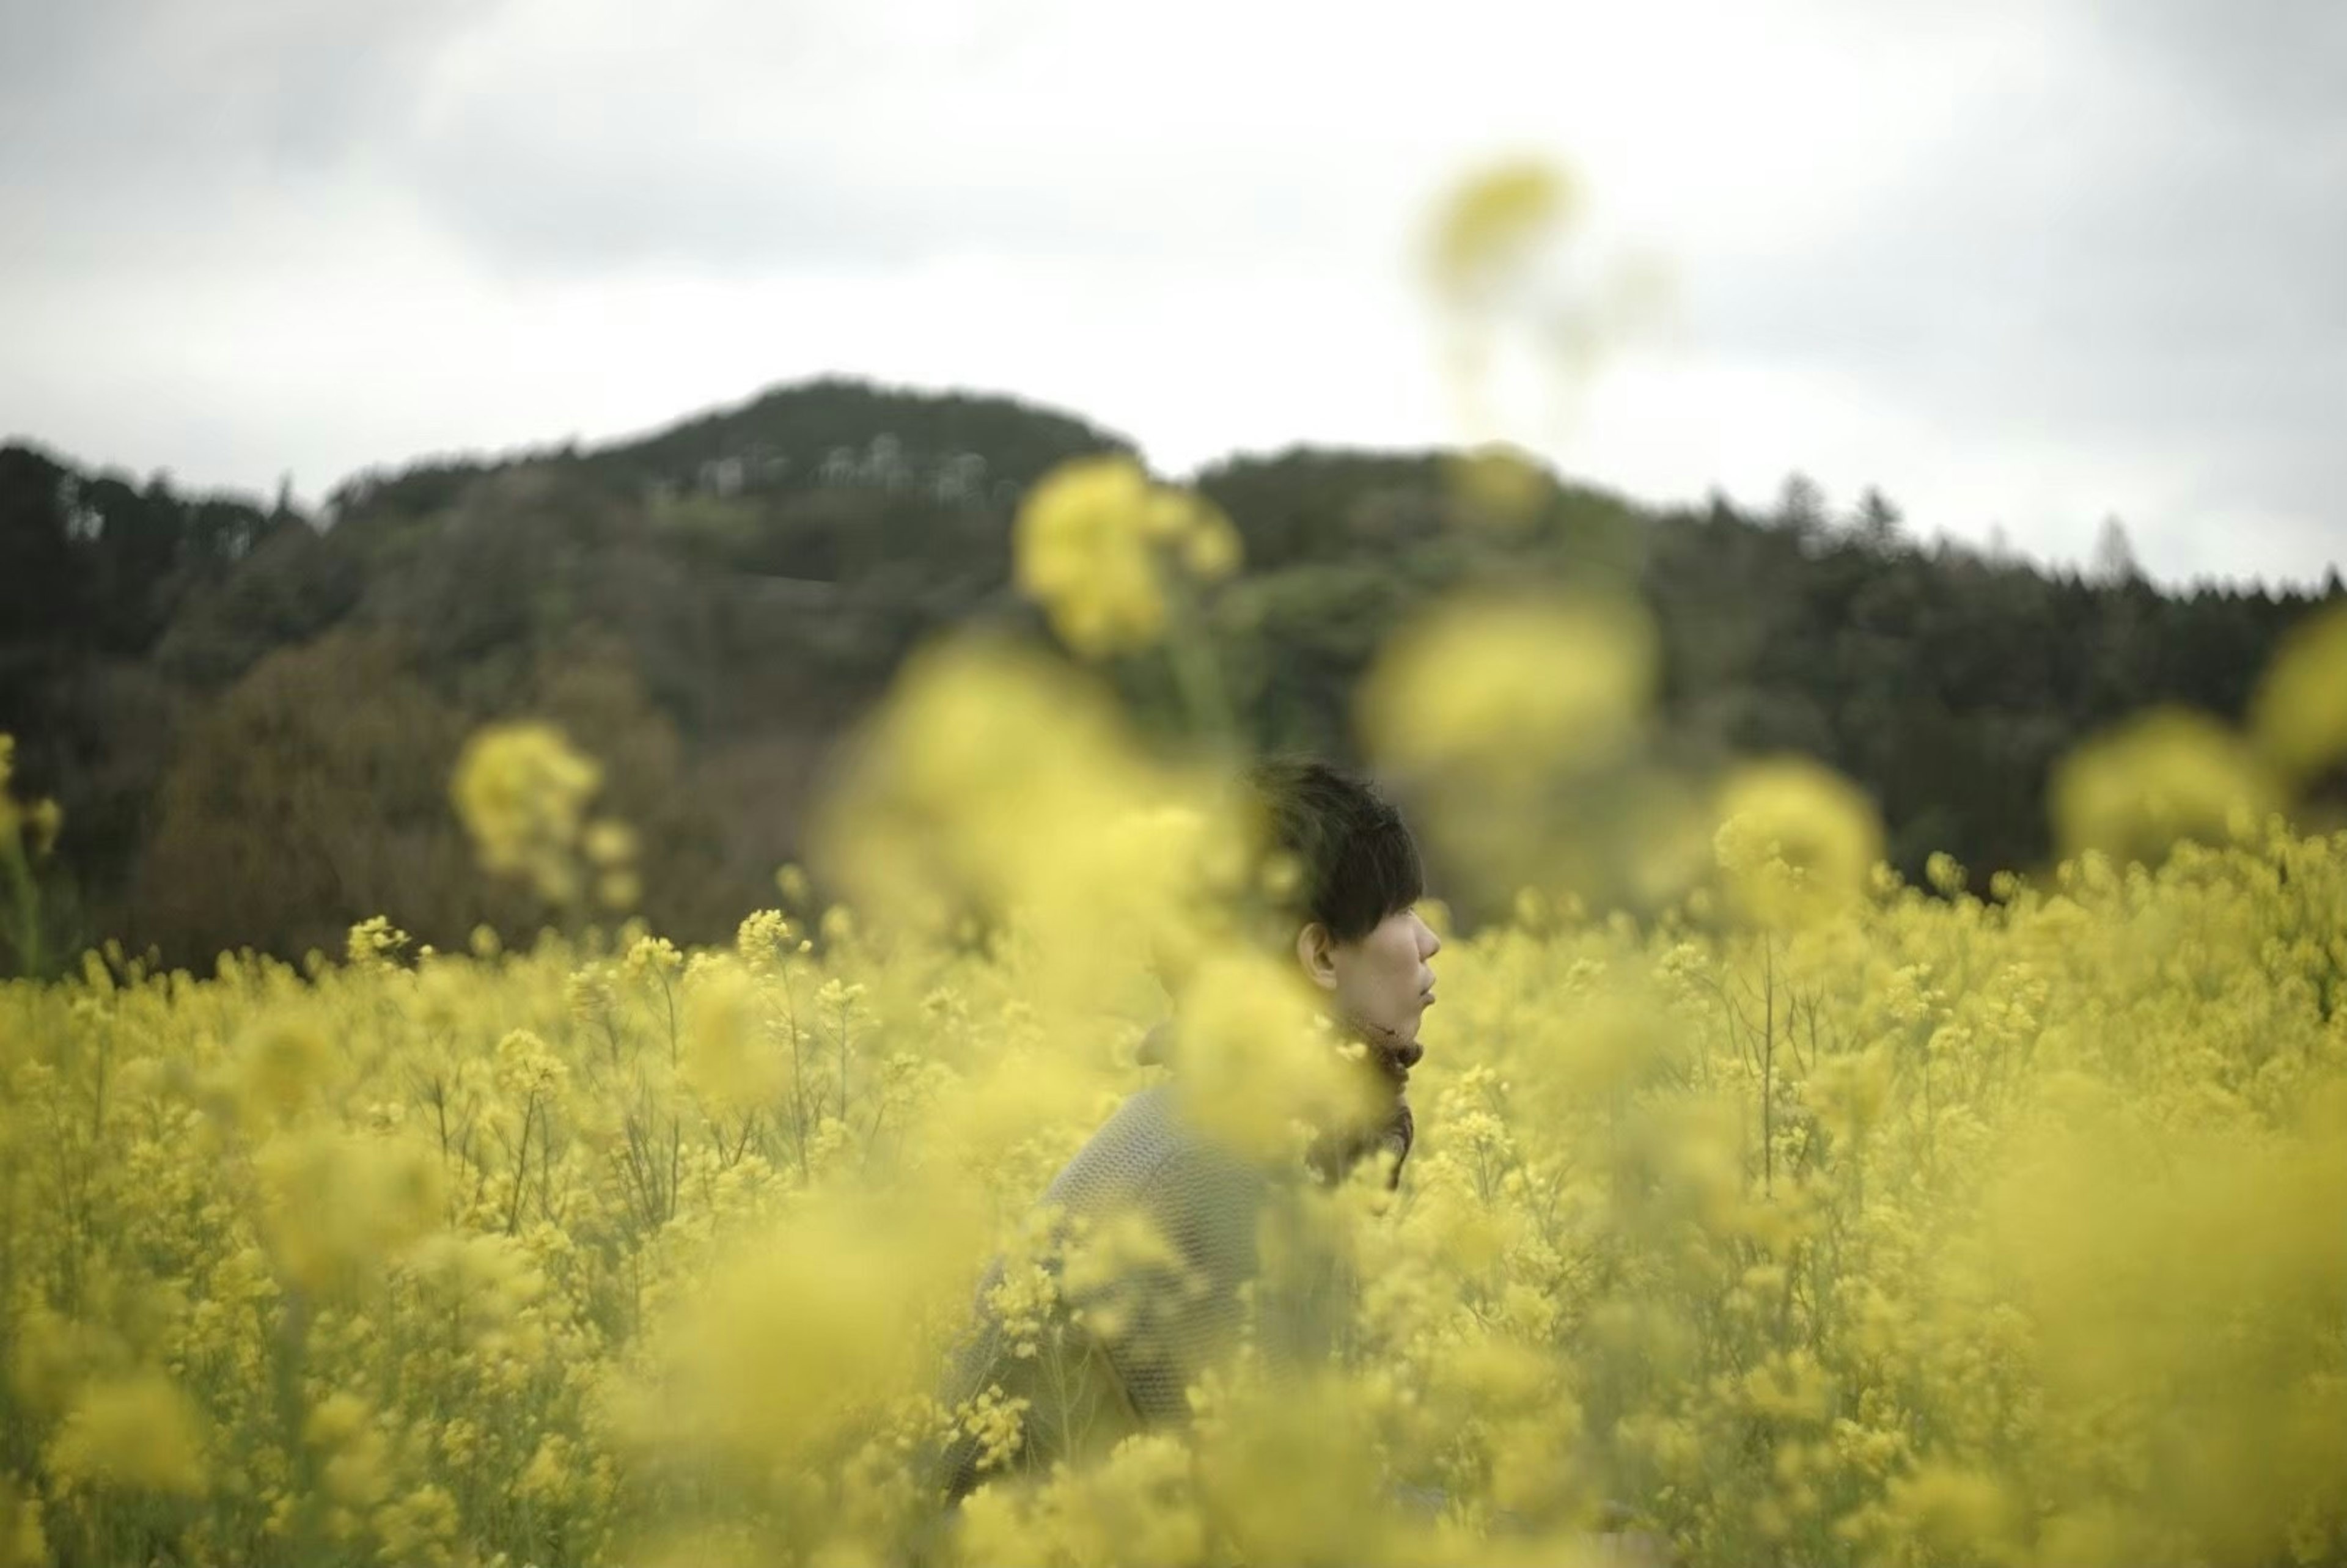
1796 841
522 791
998 784
23 1543
1087 545
1491 222
1500 483
729 1054
281 1063
2299 713
1510 690
785 1344
32 824
1527 309
2136 790
338 1207
1256 1068
138 1432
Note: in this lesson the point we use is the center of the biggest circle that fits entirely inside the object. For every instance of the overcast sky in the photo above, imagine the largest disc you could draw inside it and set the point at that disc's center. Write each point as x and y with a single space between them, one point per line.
2016 262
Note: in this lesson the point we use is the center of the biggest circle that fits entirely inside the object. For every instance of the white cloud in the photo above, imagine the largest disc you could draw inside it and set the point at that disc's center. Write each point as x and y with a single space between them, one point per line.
1979 255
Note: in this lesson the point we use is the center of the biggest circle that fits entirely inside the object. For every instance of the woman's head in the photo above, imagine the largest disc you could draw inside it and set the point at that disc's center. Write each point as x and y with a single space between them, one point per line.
1346 881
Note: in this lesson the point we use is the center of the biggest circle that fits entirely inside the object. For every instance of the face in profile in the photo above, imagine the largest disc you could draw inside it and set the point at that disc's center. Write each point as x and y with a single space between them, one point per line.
1353 879
1382 981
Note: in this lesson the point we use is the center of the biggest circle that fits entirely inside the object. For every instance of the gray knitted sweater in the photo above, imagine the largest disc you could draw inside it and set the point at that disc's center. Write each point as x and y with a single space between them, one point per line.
1119 1356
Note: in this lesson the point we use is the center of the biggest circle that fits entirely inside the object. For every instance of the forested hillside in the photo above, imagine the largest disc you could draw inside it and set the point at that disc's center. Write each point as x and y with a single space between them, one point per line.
250 716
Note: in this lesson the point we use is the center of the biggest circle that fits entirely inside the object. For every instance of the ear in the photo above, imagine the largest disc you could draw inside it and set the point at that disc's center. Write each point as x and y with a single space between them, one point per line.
1316 949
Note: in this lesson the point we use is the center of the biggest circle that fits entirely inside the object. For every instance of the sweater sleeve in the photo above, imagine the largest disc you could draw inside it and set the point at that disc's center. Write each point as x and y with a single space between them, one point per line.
1172 1322
1071 1397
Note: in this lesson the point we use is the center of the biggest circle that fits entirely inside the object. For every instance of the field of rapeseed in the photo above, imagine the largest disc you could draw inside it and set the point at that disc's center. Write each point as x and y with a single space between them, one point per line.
1805 1218
1816 1219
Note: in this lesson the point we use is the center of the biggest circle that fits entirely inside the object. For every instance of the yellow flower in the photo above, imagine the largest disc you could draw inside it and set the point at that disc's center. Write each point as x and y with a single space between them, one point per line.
357 1473
338 1207
526 1066
1211 547
1501 484
769 1356
375 941
285 1061
1081 546
43 821
2300 712
1491 221
653 956
1952 1510
1088 543
521 791
1510 689
609 841
1796 840
2133 791
336 1419
22 1542
1255 1067
552 1469
138 1432
728 1053
762 938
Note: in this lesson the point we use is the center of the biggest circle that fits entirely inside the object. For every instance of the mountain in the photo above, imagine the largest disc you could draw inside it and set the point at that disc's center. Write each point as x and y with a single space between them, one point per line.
835 432
251 718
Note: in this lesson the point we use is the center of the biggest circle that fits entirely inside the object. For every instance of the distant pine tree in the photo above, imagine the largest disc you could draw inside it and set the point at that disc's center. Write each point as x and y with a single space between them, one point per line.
2113 563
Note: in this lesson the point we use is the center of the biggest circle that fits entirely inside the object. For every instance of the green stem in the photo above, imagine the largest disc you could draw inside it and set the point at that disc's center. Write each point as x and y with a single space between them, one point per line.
25 933
1198 675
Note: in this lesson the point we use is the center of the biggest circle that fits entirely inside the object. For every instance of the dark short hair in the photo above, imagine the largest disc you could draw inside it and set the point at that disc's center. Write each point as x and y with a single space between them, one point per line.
1354 860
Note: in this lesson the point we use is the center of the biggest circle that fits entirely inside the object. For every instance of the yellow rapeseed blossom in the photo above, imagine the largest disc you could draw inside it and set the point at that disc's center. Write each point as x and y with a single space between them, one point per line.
1490 223
1210 543
44 820
521 791
1084 551
1796 840
284 1062
138 1432
1500 484
1257 1067
1937 1199
609 843
2298 715
770 1357
525 1068
1951 1512
338 1207
1090 544
733 1051
27 827
1511 689
995 787
373 942
2133 793
22 1542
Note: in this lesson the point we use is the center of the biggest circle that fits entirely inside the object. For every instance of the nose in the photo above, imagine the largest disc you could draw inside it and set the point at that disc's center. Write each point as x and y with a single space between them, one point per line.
1429 944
